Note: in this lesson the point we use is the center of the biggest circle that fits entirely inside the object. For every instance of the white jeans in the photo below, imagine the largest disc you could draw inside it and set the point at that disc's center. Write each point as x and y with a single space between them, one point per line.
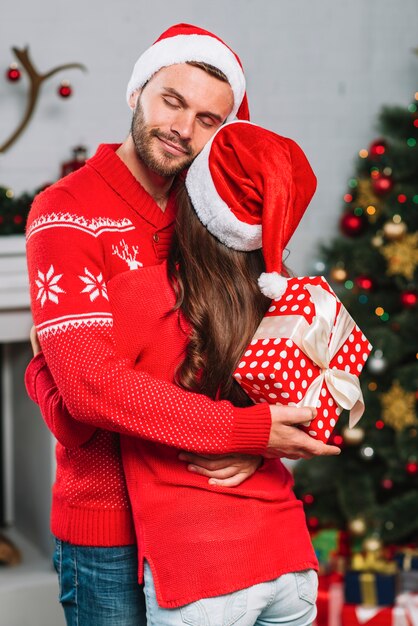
289 600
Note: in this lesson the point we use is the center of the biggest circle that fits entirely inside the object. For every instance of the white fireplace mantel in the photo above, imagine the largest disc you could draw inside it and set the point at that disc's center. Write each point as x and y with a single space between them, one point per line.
28 590
15 316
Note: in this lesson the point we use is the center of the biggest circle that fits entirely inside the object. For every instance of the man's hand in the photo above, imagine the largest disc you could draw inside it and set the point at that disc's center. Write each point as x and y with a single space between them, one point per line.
36 346
287 440
223 470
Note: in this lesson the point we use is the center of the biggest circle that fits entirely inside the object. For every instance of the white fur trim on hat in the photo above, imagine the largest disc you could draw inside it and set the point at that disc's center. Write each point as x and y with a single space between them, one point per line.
183 48
272 284
213 211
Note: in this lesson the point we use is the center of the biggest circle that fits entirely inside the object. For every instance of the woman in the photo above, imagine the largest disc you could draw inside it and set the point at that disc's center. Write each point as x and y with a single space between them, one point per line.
212 555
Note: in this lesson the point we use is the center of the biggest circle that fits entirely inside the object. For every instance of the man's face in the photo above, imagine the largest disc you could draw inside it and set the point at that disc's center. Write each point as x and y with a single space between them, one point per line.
176 114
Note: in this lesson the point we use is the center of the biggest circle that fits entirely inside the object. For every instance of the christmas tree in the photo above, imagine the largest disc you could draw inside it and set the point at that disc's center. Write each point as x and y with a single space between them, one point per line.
13 211
371 489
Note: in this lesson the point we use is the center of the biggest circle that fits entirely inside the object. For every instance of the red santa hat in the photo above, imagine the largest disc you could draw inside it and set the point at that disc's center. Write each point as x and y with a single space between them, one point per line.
250 188
182 43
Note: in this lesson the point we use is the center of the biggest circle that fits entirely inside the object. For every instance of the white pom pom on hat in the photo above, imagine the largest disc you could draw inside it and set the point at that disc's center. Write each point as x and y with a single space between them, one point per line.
182 43
250 187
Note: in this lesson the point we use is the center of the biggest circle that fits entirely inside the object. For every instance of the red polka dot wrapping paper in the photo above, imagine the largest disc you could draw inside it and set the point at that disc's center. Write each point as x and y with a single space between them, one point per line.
307 351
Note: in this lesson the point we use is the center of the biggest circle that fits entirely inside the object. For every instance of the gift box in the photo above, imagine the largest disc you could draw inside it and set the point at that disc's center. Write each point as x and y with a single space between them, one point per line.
372 580
408 581
330 600
374 616
407 559
307 351
370 588
408 602
330 543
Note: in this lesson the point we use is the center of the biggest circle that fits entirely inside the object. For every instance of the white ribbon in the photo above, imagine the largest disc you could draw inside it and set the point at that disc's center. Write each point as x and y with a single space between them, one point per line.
320 341
408 602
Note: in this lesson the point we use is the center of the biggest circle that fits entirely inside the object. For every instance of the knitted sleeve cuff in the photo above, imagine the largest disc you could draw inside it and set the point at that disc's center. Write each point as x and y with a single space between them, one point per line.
251 429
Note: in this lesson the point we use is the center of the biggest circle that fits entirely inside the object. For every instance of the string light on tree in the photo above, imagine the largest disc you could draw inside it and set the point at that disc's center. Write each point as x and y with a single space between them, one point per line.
364 282
377 364
367 453
357 526
381 183
377 240
412 468
377 148
338 274
409 298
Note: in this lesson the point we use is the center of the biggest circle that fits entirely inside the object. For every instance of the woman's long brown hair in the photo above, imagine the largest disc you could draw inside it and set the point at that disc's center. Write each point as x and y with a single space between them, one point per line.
217 292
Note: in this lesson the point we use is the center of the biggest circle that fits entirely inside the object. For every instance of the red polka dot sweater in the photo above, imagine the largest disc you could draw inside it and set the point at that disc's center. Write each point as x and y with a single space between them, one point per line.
82 232
200 540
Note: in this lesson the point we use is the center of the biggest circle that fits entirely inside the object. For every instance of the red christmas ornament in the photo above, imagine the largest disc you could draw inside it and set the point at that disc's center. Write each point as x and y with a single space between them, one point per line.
364 282
352 225
313 522
412 467
380 424
387 483
382 184
65 89
377 148
18 219
409 299
308 498
13 73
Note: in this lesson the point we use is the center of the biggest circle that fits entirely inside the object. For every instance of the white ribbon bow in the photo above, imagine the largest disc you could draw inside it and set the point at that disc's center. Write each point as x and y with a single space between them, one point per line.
320 341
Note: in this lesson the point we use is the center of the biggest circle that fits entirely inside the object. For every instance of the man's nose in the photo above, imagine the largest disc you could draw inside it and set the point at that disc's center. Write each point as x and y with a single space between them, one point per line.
183 125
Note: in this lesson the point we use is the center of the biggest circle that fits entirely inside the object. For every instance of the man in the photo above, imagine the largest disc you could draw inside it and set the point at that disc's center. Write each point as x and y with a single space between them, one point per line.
112 215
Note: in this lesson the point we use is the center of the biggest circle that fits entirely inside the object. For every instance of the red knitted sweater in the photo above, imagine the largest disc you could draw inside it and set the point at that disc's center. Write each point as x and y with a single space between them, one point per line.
82 232
200 540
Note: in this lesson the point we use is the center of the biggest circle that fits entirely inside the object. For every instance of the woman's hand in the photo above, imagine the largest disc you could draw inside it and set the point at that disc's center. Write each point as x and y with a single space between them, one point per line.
36 346
223 470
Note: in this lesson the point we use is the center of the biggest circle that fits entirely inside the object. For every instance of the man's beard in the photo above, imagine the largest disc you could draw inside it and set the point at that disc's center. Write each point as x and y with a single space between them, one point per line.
165 165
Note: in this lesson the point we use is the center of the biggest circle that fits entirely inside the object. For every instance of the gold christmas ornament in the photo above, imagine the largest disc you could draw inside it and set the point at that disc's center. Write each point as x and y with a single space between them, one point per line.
372 544
394 231
353 436
338 274
402 256
398 407
357 526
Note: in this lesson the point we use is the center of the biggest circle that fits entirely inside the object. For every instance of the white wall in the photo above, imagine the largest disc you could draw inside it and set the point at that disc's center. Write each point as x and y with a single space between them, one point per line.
318 71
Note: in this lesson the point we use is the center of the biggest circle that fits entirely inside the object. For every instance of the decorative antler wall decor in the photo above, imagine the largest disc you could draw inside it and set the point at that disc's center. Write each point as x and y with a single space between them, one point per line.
36 80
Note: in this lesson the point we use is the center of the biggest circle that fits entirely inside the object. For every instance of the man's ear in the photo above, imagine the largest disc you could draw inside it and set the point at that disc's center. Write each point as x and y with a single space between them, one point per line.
133 98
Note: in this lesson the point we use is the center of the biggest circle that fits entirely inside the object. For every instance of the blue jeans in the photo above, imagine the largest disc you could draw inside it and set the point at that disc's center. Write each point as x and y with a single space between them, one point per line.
289 600
99 586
